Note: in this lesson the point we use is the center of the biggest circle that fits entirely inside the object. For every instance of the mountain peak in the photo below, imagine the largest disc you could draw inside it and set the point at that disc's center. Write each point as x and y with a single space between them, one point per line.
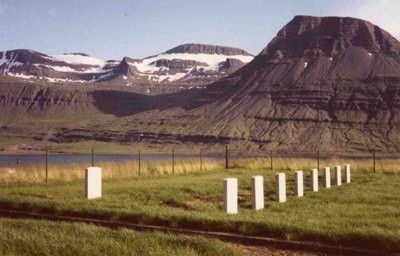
207 49
328 36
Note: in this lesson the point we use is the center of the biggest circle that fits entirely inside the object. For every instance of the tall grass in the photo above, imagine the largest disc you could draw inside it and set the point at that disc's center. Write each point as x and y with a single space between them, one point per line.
387 165
36 173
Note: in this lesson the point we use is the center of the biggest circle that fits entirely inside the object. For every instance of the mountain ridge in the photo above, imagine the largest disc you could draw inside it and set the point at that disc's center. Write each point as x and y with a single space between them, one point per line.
207 49
185 66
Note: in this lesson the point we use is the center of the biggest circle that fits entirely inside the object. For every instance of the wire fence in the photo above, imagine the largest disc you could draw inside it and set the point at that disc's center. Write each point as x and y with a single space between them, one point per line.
55 165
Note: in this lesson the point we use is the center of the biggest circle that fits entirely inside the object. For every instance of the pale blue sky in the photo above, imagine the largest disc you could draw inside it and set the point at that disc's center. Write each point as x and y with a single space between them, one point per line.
113 29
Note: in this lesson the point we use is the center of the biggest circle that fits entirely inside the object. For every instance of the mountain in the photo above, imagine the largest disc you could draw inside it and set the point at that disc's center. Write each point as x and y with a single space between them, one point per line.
185 66
323 83
72 67
327 83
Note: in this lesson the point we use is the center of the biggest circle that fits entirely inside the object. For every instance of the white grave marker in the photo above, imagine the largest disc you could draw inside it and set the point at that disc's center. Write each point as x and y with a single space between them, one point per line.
93 182
314 180
231 196
280 187
257 189
298 184
327 177
347 173
338 175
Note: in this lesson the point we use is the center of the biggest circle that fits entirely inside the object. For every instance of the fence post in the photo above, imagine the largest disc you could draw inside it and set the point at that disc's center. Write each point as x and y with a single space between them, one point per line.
318 160
201 159
139 161
92 157
173 160
47 164
271 159
374 160
226 157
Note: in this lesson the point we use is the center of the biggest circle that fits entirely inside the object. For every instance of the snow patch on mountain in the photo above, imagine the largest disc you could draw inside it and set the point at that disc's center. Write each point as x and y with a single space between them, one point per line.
69 69
174 77
212 60
9 63
21 76
79 59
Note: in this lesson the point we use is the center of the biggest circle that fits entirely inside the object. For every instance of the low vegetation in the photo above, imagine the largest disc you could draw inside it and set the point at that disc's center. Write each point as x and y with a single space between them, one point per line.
364 213
34 237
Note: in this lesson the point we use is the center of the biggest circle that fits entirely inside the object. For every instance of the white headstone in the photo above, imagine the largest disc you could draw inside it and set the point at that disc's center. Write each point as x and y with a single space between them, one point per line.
347 173
338 175
327 177
231 196
93 182
257 189
314 180
280 187
298 184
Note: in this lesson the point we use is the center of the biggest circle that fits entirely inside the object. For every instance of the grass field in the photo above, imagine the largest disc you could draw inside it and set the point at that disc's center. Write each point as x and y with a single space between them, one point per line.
365 213
34 237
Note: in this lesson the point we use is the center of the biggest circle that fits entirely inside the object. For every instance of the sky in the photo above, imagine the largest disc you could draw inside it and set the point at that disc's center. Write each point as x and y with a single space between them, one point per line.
109 29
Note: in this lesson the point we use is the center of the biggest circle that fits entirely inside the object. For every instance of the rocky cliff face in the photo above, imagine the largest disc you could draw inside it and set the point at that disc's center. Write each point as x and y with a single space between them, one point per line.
47 112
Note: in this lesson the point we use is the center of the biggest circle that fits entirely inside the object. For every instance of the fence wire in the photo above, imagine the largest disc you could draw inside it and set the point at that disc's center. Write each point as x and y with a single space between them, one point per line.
138 162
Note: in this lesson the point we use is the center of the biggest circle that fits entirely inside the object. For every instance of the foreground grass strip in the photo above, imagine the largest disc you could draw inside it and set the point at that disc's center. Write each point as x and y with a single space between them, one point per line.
262 241
365 213
34 237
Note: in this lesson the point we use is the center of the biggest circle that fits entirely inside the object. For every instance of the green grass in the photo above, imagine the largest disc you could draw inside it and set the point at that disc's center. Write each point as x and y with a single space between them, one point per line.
35 237
365 213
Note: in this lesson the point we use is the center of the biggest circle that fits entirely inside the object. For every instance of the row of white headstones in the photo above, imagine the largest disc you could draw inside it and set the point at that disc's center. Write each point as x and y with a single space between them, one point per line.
257 187
93 188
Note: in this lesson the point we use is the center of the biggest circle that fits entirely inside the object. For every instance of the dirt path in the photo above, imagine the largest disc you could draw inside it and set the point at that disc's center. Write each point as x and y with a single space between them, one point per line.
269 251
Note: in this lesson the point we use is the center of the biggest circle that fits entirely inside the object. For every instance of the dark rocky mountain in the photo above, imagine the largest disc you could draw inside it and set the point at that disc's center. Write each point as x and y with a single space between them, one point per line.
323 83
207 49
183 67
